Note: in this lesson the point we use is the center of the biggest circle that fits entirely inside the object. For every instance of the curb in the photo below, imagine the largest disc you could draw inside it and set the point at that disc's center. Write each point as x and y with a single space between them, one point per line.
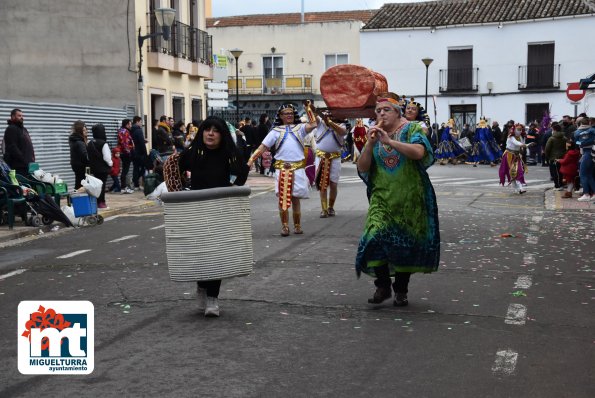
47 228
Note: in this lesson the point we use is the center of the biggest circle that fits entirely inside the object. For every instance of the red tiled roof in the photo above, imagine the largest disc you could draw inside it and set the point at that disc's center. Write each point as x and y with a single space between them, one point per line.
459 12
290 18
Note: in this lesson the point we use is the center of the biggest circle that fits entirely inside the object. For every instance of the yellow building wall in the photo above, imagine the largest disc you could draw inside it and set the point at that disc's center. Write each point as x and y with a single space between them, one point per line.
170 83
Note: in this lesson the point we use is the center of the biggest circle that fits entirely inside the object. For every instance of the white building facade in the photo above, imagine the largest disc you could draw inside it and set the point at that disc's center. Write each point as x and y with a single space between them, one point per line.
483 64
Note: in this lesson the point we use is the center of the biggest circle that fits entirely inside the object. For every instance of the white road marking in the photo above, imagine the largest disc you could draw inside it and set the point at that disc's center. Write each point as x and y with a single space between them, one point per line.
469 182
516 314
157 227
529 258
444 180
537 219
523 282
111 218
123 238
76 253
12 273
505 362
532 239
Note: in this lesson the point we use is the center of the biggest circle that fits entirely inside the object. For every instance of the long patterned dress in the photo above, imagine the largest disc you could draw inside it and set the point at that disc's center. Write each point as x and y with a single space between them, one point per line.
485 147
402 225
448 148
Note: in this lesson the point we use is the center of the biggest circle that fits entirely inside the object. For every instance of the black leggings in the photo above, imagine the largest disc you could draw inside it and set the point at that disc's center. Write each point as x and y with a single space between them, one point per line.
79 175
212 287
383 279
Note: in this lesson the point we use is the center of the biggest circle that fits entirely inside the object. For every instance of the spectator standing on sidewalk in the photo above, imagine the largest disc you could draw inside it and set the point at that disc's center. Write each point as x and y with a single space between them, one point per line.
139 157
100 159
179 135
162 139
79 158
115 170
555 148
569 167
126 145
585 138
214 161
18 147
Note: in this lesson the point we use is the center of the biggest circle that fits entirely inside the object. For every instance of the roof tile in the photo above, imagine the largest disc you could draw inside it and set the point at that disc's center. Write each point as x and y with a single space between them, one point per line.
290 18
461 12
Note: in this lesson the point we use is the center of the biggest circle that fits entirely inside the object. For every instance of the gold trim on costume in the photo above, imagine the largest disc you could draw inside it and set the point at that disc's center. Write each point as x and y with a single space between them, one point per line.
286 176
323 177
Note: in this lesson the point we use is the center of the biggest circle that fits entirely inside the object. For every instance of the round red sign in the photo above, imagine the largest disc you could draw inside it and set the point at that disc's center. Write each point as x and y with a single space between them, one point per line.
574 93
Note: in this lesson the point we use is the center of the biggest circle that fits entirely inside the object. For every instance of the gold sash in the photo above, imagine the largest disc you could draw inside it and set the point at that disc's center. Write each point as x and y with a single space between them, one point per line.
323 174
286 176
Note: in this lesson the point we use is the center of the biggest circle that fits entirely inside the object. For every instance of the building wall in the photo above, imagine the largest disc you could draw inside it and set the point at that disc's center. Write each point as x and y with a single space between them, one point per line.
165 82
497 53
303 46
68 51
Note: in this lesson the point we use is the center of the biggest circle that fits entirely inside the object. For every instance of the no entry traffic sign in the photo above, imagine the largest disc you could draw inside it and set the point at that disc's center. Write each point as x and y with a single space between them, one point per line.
574 93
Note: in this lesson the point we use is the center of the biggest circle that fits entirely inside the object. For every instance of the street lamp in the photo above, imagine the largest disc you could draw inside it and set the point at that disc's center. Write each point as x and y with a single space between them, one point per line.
165 18
427 62
236 52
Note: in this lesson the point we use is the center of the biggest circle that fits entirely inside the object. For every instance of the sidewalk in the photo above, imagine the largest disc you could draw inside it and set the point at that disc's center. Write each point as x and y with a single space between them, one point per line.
554 201
118 204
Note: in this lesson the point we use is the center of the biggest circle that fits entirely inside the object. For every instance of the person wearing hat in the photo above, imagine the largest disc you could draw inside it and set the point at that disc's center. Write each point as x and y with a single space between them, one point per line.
330 137
287 138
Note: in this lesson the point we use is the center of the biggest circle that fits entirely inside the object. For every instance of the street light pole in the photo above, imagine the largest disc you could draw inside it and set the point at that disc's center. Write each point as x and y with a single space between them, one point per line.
165 17
427 62
236 52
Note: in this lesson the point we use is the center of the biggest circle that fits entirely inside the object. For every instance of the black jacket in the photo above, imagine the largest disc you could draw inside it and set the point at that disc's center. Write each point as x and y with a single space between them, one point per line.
78 152
163 141
138 137
94 147
18 152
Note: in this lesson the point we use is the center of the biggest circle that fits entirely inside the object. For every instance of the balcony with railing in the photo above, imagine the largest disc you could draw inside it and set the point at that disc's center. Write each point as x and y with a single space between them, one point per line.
262 85
189 50
454 80
539 77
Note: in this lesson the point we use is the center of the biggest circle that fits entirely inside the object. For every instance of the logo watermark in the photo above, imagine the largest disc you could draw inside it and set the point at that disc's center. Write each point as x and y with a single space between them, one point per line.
56 337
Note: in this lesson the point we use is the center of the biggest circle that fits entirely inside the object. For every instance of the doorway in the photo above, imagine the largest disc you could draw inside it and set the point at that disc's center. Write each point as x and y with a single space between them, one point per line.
464 114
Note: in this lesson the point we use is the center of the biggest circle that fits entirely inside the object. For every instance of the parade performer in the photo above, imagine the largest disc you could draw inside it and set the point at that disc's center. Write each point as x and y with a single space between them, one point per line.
214 161
287 139
415 112
448 148
512 166
329 137
359 138
401 235
485 147
309 148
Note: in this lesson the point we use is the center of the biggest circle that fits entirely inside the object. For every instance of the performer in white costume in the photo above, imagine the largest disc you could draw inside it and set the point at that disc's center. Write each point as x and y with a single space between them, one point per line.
329 137
291 182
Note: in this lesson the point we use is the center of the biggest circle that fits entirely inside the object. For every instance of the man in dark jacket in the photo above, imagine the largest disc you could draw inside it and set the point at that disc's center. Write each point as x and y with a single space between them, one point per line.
162 138
139 157
18 148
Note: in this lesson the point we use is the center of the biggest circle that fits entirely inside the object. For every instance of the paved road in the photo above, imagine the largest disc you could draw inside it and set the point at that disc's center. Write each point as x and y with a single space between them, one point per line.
503 317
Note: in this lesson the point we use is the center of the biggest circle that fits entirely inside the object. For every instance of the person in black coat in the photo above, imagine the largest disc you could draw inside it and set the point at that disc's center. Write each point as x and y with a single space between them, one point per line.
18 152
100 159
139 156
79 158
214 161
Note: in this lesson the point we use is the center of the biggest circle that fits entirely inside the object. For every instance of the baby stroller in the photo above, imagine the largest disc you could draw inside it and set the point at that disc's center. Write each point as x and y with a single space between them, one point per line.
35 209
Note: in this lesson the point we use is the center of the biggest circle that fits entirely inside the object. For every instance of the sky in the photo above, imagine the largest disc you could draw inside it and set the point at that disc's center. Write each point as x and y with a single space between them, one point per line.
224 8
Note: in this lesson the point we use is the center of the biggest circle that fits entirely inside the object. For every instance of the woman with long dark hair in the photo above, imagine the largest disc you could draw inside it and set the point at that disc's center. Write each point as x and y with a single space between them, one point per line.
79 159
214 161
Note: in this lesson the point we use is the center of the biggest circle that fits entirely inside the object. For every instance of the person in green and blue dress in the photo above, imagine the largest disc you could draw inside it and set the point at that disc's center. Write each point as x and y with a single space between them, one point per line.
401 234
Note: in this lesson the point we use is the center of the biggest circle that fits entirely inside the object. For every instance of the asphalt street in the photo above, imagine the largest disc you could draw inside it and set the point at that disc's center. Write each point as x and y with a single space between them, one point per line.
508 314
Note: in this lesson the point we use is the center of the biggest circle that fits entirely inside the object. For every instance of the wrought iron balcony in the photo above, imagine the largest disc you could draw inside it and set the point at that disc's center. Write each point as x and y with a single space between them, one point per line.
539 76
285 84
458 80
185 42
